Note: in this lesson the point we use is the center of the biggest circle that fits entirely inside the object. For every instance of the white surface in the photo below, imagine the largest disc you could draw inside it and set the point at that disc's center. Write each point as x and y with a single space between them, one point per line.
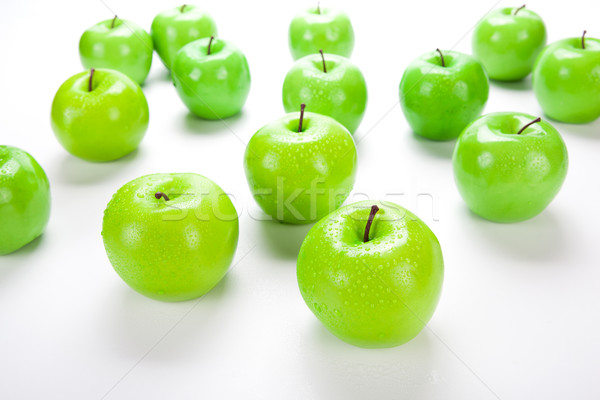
520 309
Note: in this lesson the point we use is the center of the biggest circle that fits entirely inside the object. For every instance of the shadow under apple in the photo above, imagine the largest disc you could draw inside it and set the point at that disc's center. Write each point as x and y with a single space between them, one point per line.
520 85
196 125
75 171
437 149
283 240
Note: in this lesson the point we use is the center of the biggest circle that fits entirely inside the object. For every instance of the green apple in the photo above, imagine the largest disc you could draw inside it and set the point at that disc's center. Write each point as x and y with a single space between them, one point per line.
507 42
328 84
442 92
372 273
24 199
212 78
301 167
99 115
321 29
174 28
509 166
120 45
566 80
171 237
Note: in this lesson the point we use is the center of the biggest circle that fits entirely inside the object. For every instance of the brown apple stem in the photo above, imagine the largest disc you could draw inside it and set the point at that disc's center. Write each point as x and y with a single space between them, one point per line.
323 58
318 7
112 24
182 8
301 117
159 195
442 57
519 9
209 43
535 121
583 40
374 210
90 81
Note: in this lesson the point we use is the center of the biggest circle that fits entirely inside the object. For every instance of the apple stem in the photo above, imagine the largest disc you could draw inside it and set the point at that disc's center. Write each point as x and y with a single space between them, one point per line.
374 210
583 40
323 58
442 57
91 79
519 9
318 7
159 195
535 121
182 8
112 24
209 43
301 117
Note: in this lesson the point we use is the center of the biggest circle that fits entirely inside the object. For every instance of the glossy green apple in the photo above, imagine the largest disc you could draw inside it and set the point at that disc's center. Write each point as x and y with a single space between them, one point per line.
566 80
372 273
337 90
321 28
442 92
99 115
120 45
24 199
174 28
509 166
171 237
297 176
507 41
212 78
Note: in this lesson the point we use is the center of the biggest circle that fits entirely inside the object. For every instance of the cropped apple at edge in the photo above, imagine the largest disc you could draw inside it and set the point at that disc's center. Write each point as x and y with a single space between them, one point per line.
24 199
371 284
170 237
301 167
509 166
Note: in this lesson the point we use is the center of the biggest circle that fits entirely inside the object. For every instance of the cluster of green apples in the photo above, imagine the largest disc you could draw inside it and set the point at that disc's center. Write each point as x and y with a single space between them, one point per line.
371 271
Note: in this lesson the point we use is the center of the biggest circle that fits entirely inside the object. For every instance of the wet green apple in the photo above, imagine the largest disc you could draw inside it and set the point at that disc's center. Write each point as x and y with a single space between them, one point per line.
320 28
301 167
120 45
174 28
507 41
212 78
372 273
509 166
328 84
442 92
171 237
24 199
99 115
566 80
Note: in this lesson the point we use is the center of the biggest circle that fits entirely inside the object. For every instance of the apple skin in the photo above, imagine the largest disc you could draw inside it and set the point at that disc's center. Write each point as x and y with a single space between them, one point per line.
375 294
507 45
439 102
102 125
171 250
215 85
340 93
566 80
321 28
506 177
126 47
320 162
24 199
173 28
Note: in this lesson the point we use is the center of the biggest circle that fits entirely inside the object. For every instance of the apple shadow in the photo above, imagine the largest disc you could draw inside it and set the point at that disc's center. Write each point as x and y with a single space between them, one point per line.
438 149
164 75
536 239
340 370
520 85
140 323
284 240
76 171
17 260
587 131
196 125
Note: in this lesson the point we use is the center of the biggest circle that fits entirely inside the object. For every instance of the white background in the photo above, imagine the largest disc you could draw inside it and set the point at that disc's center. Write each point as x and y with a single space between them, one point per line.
520 309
